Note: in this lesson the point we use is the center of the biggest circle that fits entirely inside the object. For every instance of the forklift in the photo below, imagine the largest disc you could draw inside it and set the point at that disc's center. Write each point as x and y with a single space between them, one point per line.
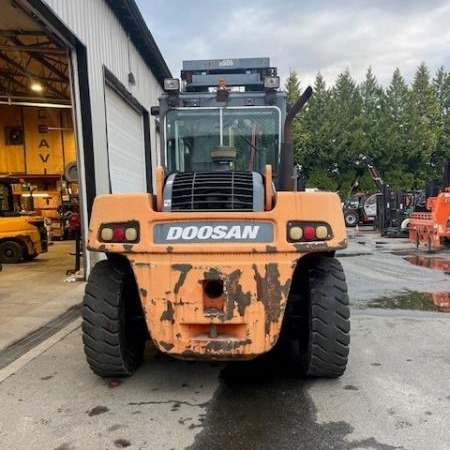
22 236
359 207
226 259
432 226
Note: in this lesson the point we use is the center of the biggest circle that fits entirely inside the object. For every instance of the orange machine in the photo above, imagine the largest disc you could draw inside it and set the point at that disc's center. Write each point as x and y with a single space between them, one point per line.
225 258
432 228
22 236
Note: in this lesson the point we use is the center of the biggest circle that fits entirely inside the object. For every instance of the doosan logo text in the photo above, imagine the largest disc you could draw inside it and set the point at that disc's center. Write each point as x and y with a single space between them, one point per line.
208 232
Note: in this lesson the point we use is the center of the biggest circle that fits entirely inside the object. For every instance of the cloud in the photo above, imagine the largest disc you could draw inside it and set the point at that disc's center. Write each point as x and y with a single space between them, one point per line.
323 36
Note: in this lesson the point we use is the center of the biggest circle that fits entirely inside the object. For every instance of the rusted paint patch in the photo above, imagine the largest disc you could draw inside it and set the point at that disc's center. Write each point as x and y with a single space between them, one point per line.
166 345
342 243
312 246
168 313
183 269
213 274
142 264
217 346
235 294
190 355
271 249
169 249
143 292
286 288
269 292
128 247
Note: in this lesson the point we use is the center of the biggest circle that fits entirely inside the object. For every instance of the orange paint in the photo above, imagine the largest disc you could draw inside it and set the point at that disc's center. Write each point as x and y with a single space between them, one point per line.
432 227
217 300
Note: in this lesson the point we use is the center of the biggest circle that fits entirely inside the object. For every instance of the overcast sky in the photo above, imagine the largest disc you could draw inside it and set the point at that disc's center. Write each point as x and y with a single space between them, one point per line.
322 35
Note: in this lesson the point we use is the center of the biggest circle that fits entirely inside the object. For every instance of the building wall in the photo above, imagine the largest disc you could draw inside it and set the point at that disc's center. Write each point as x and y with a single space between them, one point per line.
107 43
41 149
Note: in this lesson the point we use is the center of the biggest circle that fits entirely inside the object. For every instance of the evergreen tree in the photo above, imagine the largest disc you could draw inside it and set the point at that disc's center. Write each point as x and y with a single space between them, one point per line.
441 84
292 87
347 136
424 128
312 137
372 125
396 133
405 131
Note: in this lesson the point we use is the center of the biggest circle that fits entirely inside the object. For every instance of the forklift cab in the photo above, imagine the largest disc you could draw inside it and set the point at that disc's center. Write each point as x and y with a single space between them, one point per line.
7 208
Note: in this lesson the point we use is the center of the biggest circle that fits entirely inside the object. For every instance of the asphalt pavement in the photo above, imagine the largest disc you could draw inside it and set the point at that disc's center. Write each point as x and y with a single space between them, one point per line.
395 393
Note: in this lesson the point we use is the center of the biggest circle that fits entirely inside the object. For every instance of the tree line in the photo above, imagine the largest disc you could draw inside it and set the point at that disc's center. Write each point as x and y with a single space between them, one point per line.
404 129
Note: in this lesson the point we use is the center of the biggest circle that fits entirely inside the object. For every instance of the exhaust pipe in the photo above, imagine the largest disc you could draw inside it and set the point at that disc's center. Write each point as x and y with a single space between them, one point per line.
288 183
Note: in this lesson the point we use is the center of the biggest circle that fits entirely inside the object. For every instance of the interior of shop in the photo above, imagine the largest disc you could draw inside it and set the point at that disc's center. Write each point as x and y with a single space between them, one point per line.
38 152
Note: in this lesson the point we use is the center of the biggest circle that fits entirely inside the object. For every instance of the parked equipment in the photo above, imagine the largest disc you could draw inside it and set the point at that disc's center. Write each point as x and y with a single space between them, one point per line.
22 237
225 258
388 209
432 227
361 208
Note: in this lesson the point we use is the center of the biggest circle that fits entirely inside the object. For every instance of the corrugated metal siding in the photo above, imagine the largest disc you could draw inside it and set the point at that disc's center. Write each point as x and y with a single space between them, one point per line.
125 145
107 44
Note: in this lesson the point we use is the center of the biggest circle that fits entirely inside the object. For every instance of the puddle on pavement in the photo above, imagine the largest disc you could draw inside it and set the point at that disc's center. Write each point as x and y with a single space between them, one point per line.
419 301
432 262
264 404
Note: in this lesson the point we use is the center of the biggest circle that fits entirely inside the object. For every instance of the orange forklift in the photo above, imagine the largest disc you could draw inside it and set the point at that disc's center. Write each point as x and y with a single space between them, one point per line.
22 235
432 227
225 258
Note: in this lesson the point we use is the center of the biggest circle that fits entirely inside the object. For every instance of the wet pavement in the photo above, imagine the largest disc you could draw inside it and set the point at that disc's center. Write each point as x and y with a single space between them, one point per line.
418 301
431 262
395 393
263 404
392 273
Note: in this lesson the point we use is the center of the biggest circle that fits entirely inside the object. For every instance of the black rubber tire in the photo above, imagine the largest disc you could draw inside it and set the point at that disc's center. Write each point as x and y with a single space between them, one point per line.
10 252
114 330
351 218
324 343
29 257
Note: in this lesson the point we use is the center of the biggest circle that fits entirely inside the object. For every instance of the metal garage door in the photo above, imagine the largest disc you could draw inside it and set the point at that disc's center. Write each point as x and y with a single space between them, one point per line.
125 129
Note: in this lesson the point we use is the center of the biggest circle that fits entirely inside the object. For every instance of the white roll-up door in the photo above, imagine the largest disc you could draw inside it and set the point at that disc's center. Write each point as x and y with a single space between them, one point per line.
125 130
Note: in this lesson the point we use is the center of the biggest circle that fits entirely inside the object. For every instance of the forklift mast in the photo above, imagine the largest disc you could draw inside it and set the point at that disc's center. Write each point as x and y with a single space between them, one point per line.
376 177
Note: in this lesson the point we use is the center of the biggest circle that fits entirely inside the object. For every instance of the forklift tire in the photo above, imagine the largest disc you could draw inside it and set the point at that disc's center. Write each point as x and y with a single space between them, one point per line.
351 218
29 257
10 252
114 330
325 345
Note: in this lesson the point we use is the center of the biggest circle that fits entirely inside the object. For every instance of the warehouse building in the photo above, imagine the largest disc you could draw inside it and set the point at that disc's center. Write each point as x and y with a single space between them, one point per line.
77 81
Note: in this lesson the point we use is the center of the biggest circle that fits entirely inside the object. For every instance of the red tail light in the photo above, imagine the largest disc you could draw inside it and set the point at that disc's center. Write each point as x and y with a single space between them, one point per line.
126 232
298 231
309 233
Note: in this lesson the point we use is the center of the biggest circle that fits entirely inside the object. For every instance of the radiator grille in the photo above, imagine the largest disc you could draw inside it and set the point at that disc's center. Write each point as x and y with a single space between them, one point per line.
216 191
